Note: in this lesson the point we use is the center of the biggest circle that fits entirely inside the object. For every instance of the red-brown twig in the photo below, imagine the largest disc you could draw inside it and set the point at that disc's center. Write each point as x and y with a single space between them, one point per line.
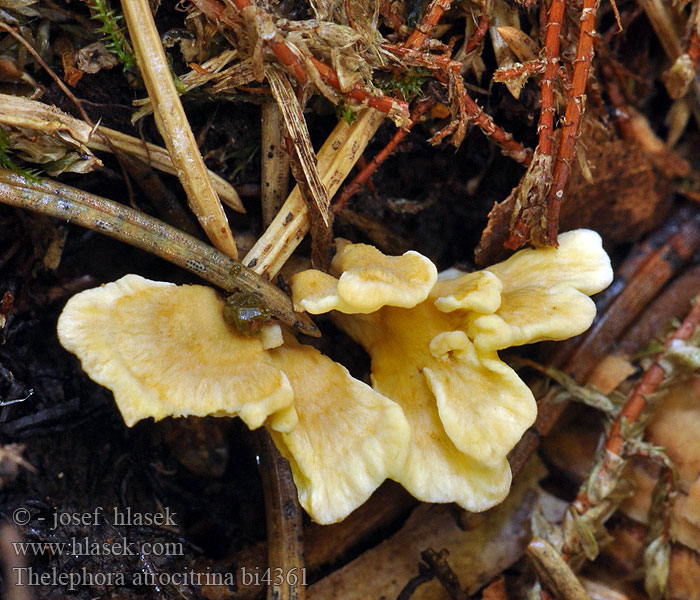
427 24
482 27
520 230
291 61
693 50
368 170
392 19
545 127
575 107
649 383
469 109
415 41
638 280
518 71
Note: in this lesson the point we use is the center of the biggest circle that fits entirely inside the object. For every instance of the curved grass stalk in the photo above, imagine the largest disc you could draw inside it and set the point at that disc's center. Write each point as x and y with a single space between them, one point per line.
138 229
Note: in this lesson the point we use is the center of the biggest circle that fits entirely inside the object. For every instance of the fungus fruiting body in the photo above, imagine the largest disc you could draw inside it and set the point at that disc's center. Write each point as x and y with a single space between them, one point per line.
438 360
166 350
443 410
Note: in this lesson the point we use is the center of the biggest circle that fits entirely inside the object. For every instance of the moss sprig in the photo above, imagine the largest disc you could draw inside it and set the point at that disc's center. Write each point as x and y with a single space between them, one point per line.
115 38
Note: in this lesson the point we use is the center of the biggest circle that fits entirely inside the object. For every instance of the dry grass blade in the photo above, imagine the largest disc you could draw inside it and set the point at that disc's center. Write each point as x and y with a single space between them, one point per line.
275 162
140 230
174 127
158 157
296 127
197 77
304 168
336 158
16 111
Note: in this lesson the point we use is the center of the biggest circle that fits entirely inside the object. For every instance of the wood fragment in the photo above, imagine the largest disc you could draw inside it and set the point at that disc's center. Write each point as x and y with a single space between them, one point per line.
174 127
275 162
554 572
646 270
477 555
283 516
336 158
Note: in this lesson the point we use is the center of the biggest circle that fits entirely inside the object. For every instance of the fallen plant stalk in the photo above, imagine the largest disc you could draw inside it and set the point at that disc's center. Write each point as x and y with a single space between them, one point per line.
285 549
336 158
575 107
158 157
275 162
174 127
553 570
17 111
144 232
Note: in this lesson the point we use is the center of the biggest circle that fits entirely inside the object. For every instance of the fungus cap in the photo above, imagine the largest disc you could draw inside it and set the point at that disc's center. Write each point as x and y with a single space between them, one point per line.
438 360
165 350
348 440
368 280
545 293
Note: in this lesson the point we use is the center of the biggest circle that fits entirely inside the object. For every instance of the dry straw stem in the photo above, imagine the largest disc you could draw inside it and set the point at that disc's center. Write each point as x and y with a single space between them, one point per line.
144 232
198 76
16 111
336 158
173 125
275 162
553 570
283 518
158 157
295 123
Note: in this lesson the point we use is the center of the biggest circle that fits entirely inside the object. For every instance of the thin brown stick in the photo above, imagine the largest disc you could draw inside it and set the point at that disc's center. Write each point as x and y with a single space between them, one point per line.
368 170
651 380
285 545
482 28
545 127
144 232
56 78
468 107
430 19
575 107
174 127
535 183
